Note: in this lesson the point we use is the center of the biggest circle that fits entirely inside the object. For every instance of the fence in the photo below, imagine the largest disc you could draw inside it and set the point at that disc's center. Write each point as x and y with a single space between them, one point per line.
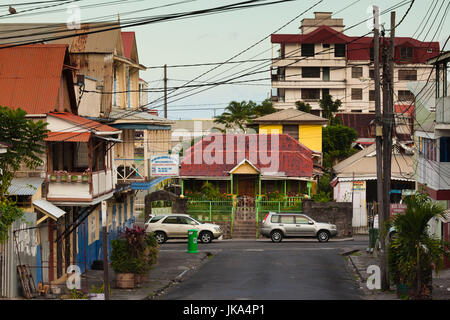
223 210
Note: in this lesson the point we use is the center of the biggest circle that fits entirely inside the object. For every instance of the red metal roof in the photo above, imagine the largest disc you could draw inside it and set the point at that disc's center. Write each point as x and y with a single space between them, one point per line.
127 41
216 154
68 136
30 77
359 48
83 122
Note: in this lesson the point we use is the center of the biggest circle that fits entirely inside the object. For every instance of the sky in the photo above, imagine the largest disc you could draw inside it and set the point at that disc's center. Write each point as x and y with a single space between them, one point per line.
218 37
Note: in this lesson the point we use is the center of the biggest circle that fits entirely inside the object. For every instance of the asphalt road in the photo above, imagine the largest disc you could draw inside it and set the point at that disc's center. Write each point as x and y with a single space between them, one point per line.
262 270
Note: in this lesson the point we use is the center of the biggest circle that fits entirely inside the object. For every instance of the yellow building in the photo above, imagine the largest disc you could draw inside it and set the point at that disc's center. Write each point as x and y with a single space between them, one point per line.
302 126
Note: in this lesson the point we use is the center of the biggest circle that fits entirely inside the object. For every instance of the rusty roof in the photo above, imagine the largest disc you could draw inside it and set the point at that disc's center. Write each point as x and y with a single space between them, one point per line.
99 42
30 77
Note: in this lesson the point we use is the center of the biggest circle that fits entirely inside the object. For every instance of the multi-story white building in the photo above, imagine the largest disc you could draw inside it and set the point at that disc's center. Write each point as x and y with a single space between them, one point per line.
323 60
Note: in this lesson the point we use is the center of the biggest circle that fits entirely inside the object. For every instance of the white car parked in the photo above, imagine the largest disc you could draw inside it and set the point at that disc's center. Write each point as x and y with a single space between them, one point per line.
176 226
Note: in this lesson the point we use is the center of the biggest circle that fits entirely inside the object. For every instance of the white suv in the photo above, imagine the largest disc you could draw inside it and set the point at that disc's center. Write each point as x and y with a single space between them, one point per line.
176 226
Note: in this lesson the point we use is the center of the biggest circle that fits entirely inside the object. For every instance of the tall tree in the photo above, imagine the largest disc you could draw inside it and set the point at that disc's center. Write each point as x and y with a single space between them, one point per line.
25 139
329 108
336 143
237 115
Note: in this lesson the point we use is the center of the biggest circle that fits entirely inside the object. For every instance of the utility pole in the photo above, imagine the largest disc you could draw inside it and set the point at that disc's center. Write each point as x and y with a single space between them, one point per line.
165 91
388 125
379 137
105 250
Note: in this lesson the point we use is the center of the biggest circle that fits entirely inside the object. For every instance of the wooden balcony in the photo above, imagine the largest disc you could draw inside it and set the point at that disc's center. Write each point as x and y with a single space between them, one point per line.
132 170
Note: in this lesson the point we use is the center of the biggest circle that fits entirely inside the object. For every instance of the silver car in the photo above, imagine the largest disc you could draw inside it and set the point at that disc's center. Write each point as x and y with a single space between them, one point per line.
277 226
176 226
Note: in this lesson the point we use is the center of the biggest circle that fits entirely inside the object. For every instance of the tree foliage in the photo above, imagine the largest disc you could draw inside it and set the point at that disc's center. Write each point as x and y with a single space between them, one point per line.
413 250
329 108
302 106
336 143
24 138
237 115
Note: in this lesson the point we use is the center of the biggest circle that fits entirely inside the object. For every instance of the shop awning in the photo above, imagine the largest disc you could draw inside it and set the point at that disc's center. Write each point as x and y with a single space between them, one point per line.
48 209
68 136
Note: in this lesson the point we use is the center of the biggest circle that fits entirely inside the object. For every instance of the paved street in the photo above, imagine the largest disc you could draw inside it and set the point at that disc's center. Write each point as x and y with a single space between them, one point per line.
291 270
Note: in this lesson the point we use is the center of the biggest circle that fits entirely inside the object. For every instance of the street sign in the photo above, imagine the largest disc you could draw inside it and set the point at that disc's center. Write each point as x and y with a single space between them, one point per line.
164 166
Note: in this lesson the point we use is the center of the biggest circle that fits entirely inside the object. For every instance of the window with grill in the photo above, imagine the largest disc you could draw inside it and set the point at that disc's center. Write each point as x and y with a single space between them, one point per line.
357 72
310 94
405 95
406 53
339 50
357 94
407 75
307 49
310 72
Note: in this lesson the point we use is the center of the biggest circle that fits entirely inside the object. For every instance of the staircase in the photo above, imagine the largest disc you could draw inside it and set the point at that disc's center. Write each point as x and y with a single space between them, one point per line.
244 226
244 229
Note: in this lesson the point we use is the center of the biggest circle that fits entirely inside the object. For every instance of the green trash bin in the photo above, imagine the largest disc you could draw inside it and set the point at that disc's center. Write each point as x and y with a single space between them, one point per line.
192 241
373 236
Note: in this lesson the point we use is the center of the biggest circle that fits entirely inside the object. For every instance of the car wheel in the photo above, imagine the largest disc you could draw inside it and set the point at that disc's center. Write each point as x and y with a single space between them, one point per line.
206 237
323 236
276 236
160 237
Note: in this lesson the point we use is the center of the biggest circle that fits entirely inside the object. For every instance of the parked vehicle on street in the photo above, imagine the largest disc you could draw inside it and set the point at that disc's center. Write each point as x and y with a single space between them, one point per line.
176 226
277 226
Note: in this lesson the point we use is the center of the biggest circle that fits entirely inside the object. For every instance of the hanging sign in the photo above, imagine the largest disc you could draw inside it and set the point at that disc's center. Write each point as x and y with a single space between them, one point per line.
166 165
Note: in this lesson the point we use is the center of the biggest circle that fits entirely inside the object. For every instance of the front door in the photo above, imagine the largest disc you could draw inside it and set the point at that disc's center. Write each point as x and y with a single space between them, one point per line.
246 185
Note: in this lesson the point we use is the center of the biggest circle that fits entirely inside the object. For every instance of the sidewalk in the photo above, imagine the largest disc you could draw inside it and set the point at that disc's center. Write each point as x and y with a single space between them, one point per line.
172 267
360 260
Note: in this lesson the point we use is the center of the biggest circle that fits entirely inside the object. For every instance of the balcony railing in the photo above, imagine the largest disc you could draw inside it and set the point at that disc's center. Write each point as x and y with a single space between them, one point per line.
78 186
130 170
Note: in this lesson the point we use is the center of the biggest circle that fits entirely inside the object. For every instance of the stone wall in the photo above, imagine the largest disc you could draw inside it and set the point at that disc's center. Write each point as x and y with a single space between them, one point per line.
338 213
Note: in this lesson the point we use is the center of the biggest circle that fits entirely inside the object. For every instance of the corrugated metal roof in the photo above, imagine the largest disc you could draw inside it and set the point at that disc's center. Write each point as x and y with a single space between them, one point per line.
101 42
128 41
25 186
124 115
30 77
68 136
49 208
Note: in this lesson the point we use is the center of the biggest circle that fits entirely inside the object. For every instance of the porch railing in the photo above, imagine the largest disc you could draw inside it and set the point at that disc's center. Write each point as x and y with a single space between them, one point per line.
131 169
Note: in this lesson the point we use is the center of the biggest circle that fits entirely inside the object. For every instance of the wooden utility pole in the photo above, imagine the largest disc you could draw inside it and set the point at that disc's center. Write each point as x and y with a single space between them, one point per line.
379 131
105 250
165 91
388 127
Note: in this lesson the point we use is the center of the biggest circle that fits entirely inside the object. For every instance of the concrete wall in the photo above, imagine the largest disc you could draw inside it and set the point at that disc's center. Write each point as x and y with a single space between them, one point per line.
336 213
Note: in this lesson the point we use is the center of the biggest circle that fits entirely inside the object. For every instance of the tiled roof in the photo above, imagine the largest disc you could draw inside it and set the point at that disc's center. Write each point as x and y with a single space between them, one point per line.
30 77
270 154
83 122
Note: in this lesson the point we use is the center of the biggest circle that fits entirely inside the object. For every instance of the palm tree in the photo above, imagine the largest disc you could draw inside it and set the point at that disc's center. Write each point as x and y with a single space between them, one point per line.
238 114
413 251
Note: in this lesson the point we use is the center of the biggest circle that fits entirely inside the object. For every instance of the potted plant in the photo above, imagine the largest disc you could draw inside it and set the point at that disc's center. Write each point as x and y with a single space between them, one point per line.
97 293
123 265
132 256
85 176
74 178
63 175
53 177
